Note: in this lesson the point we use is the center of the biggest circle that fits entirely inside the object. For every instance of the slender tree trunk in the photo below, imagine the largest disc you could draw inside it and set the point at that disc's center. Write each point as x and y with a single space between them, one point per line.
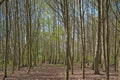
99 39
73 49
6 53
93 37
115 50
66 24
27 32
108 38
15 42
29 43
103 24
30 35
17 26
83 37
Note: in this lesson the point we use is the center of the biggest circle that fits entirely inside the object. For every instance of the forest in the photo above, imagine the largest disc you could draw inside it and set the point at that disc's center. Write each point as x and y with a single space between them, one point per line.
59 39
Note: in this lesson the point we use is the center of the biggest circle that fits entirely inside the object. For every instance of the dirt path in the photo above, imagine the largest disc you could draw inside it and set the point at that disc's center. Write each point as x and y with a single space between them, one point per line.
52 72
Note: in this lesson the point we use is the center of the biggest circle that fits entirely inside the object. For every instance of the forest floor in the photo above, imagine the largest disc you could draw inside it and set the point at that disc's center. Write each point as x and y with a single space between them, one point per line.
57 72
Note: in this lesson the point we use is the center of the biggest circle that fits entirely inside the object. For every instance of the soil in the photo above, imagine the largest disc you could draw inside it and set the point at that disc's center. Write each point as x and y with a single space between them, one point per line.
57 72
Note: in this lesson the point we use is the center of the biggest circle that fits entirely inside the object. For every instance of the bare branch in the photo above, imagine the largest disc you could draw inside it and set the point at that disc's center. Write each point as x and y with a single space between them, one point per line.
54 9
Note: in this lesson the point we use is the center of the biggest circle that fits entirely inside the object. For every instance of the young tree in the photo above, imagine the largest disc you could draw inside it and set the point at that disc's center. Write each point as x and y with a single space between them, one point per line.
66 24
18 29
108 38
83 38
29 26
15 38
7 35
103 38
99 38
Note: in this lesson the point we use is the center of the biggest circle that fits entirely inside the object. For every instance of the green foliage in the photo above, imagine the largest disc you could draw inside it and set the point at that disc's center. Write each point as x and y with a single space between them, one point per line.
90 58
1 63
40 57
111 59
10 62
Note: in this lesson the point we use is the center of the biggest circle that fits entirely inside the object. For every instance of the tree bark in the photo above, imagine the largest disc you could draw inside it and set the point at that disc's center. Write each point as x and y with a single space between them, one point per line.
66 20
108 38
7 35
99 39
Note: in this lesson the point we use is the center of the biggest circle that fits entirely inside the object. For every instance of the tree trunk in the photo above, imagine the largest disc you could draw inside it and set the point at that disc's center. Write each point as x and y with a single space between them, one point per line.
115 50
108 38
6 53
99 39
104 40
73 48
66 24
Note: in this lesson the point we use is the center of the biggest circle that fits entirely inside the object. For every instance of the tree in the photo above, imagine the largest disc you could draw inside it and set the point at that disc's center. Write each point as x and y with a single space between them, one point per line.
73 41
66 24
99 38
115 50
7 35
108 38
103 38
83 38
15 37
18 27
29 26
